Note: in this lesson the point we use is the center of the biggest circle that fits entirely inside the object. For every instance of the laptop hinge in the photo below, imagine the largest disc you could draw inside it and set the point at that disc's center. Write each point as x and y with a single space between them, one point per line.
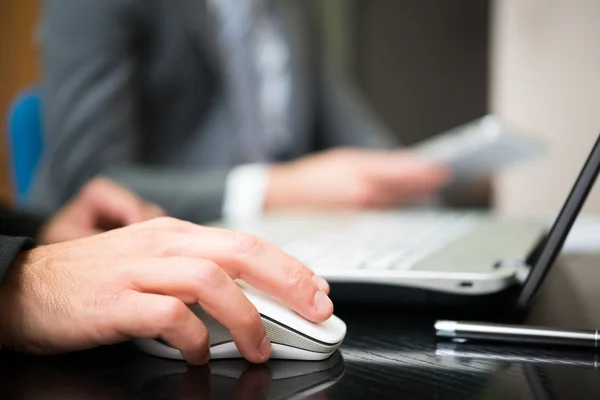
521 267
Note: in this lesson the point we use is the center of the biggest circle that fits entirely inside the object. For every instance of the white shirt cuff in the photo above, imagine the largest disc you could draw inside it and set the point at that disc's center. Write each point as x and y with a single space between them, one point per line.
245 191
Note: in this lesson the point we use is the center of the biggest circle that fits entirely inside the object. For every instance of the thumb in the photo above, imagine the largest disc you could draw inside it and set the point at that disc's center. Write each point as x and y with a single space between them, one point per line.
107 200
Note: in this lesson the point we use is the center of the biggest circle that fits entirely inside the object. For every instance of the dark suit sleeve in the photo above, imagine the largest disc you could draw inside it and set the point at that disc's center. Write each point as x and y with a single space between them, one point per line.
9 249
18 226
14 223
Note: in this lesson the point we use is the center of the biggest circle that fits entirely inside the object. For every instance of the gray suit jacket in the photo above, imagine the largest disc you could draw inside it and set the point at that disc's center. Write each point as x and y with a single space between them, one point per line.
132 90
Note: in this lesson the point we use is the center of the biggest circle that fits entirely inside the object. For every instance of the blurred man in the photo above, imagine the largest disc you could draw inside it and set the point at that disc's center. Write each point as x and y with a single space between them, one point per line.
137 281
210 108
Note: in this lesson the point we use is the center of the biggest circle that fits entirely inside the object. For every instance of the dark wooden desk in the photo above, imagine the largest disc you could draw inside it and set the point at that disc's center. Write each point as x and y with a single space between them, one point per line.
387 354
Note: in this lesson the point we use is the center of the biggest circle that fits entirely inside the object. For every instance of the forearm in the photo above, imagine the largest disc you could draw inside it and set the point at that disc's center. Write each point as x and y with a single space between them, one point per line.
195 195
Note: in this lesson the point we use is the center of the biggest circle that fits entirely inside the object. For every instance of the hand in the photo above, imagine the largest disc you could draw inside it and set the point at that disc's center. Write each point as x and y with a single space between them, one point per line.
136 282
101 205
353 179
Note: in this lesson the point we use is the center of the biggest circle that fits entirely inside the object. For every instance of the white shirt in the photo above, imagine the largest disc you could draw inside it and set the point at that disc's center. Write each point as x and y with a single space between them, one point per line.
246 185
245 191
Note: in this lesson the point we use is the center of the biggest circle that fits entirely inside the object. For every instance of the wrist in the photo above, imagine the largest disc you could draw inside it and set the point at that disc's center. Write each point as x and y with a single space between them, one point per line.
279 193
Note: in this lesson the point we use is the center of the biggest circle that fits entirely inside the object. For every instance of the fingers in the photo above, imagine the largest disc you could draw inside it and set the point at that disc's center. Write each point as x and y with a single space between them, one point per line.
322 284
245 257
401 166
112 202
155 316
422 180
258 263
203 282
396 178
390 194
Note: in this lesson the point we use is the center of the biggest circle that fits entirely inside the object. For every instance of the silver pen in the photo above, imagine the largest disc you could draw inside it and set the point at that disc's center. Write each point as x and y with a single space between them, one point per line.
465 331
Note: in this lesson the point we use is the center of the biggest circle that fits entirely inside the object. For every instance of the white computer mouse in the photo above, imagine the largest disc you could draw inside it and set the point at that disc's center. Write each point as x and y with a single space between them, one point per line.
292 336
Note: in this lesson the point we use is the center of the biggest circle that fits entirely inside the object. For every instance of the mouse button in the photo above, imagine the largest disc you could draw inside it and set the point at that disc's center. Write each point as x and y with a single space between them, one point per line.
283 335
330 331
334 328
266 304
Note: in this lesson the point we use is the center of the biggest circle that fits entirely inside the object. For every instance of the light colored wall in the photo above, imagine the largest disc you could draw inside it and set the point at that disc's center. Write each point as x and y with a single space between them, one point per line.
546 78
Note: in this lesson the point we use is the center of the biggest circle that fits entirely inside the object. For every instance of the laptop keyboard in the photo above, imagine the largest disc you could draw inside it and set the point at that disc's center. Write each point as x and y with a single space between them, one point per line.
386 241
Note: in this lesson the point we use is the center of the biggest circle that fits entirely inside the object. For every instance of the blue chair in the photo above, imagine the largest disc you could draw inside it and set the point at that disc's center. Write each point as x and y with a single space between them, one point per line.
25 141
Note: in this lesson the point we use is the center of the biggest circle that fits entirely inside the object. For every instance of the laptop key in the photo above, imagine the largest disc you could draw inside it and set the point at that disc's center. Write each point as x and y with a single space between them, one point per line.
380 244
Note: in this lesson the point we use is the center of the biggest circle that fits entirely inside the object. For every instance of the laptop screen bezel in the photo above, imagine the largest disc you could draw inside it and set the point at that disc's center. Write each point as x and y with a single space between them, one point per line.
545 256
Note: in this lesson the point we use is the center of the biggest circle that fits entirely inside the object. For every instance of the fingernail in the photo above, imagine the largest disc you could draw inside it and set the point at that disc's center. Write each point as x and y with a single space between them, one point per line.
265 348
321 283
323 303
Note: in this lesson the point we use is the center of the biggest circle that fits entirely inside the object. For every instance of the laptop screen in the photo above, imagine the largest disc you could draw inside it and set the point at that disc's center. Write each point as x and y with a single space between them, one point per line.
546 254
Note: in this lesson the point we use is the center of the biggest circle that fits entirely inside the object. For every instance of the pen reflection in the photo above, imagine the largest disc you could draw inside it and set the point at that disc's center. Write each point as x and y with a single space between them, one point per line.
548 373
517 354
152 378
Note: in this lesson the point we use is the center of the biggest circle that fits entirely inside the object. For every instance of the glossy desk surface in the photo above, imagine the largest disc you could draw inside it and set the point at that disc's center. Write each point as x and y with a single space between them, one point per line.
387 354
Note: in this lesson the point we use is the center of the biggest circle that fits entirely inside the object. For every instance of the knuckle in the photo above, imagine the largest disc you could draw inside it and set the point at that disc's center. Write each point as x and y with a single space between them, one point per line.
170 312
123 271
164 222
167 223
247 245
296 278
250 320
208 273
201 342
147 237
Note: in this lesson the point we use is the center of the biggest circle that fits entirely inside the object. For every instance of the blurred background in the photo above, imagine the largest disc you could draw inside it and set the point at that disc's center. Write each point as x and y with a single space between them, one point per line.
429 65
18 69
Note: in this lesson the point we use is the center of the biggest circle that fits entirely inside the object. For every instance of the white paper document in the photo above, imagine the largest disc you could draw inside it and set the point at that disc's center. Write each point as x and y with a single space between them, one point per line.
481 147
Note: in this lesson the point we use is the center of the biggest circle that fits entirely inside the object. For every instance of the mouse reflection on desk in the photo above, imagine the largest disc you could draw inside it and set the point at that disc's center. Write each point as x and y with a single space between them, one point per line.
292 336
120 374
240 379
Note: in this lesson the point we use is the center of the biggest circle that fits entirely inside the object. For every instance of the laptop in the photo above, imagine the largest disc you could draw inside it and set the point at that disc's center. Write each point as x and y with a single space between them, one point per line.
425 254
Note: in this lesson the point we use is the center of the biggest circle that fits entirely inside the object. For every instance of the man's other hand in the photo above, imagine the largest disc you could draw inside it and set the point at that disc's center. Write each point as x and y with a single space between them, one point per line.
100 206
353 179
